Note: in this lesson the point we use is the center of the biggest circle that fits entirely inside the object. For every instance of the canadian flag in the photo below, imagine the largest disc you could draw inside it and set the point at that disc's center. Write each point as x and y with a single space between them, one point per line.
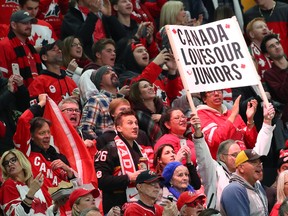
68 142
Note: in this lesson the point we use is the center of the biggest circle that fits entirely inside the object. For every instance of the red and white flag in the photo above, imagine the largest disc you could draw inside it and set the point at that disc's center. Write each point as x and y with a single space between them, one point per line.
68 142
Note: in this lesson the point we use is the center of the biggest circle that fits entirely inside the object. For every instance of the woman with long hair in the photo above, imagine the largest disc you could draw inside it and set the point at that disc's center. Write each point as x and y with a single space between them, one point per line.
74 58
173 13
21 194
148 108
282 192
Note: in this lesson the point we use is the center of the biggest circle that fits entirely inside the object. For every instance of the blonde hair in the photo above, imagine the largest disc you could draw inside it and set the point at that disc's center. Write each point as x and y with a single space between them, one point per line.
169 12
23 161
249 26
75 212
115 103
280 186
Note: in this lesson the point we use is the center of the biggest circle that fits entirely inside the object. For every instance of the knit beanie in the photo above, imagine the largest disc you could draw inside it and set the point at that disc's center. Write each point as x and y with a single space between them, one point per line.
96 76
169 171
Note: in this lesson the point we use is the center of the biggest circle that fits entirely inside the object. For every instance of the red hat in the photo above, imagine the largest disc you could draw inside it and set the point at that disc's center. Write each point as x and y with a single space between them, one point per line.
79 192
188 197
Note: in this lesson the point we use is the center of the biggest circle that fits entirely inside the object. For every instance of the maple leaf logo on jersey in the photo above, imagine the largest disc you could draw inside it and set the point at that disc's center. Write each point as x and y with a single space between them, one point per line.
53 10
39 206
12 1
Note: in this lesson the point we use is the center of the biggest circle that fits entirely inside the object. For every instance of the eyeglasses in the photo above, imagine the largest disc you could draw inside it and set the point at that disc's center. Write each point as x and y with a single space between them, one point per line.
76 44
234 155
214 92
71 110
178 118
195 203
11 160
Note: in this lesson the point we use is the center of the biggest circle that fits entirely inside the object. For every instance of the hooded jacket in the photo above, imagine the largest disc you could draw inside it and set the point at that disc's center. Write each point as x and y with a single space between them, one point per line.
57 87
215 174
242 199
216 128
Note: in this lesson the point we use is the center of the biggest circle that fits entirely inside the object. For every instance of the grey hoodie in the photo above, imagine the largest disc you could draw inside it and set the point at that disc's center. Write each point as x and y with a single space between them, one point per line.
240 198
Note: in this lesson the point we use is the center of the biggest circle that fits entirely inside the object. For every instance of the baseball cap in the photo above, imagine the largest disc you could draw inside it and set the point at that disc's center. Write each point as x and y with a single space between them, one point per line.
148 176
188 197
22 16
45 48
247 155
79 192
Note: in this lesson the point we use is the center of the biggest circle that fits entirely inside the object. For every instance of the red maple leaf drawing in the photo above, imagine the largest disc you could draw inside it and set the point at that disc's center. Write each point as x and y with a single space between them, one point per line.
227 26
38 206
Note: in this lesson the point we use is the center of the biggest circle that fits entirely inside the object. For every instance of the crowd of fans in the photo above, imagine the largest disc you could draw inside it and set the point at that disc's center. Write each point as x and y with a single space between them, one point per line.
102 75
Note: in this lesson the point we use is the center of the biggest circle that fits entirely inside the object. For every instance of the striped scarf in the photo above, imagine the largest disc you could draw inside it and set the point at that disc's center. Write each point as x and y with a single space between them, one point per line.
22 59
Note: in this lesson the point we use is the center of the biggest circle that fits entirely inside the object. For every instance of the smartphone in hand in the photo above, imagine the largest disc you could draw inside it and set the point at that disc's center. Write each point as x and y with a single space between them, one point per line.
144 32
15 69
183 142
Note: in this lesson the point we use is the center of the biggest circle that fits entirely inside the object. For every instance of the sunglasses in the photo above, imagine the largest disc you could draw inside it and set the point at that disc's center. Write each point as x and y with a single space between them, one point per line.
195 203
11 160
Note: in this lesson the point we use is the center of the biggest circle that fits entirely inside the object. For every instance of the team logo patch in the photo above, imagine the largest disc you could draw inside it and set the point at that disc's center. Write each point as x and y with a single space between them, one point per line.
53 10
52 89
99 174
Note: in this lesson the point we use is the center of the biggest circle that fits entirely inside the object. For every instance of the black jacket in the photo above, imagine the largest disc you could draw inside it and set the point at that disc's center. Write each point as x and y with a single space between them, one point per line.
113 187
74 24
11 106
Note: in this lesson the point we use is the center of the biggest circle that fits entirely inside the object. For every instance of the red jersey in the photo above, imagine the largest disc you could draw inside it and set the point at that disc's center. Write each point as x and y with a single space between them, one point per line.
52 11
139 209
8 56
38 162
57 87
13 193
7 7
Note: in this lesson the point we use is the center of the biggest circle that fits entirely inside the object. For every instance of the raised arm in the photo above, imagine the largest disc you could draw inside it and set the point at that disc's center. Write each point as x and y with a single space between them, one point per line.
205 163
264 137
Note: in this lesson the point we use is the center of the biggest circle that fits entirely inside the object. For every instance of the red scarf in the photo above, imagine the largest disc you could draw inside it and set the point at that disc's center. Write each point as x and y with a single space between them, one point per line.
127 166
22 59
262 61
